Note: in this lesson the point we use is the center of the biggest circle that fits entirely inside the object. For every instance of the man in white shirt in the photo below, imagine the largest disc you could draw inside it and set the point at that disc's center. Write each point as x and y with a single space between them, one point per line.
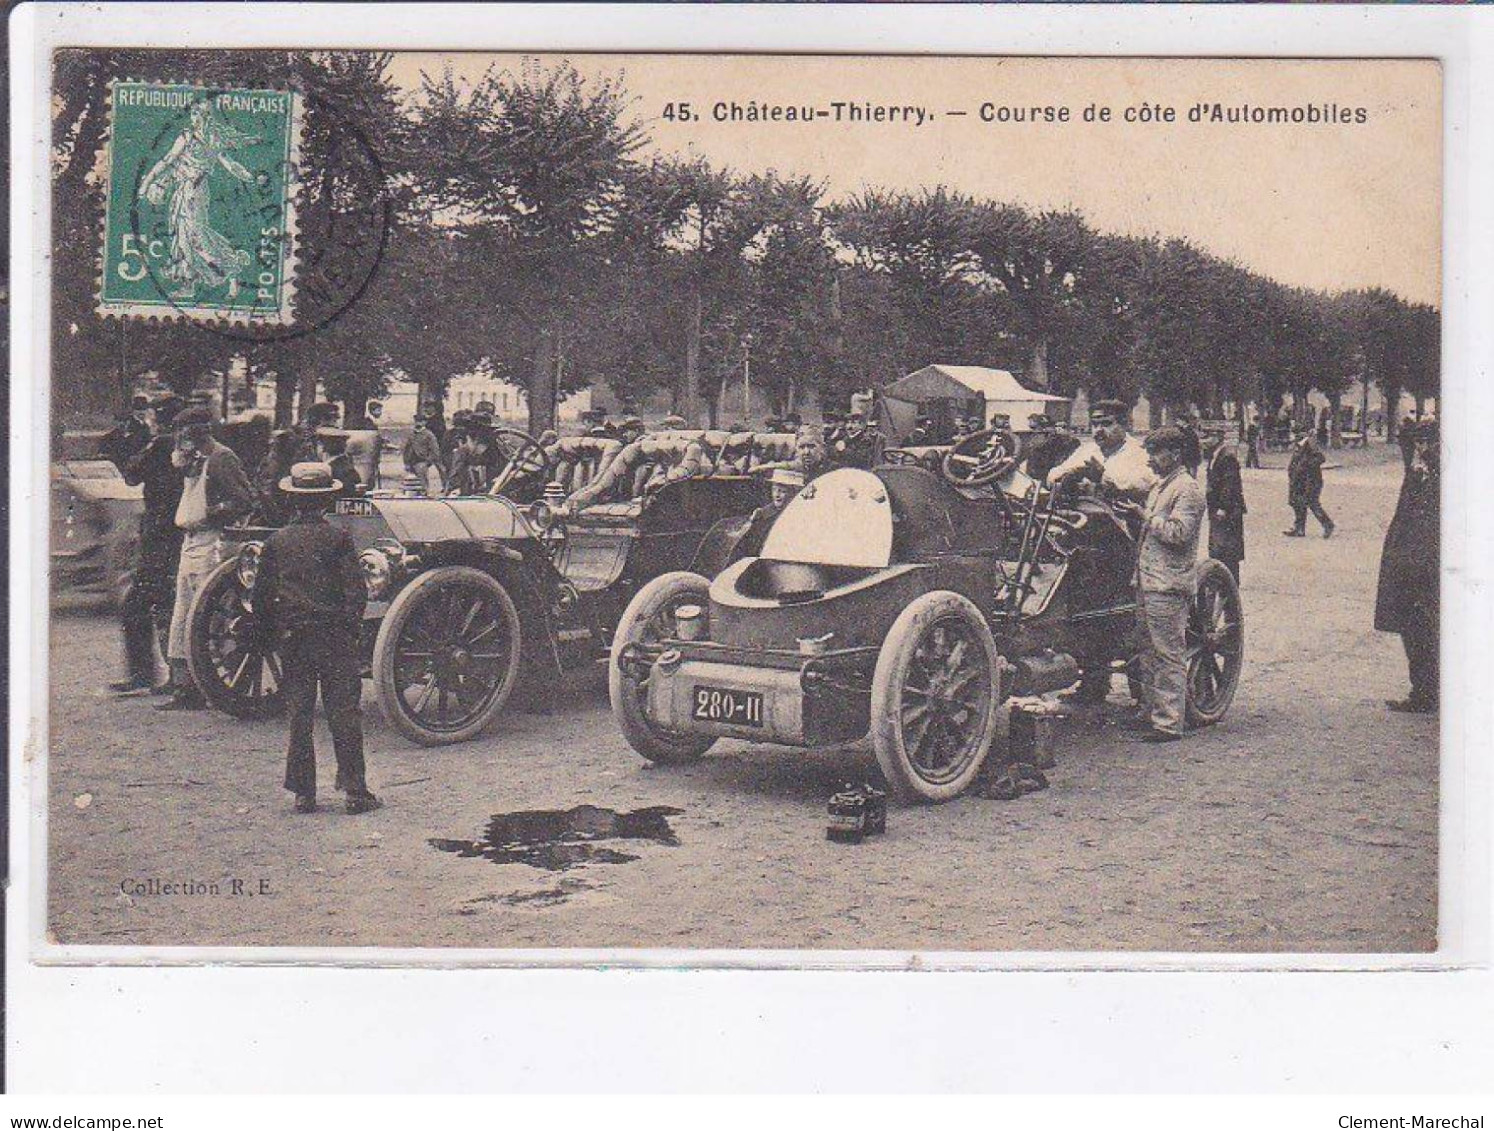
1112 455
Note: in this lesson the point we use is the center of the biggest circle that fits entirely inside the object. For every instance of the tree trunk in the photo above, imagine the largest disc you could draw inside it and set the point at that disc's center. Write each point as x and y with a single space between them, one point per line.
285 395
430 393
1334 400
542 384
1037 374
305 393
687 399
1392 412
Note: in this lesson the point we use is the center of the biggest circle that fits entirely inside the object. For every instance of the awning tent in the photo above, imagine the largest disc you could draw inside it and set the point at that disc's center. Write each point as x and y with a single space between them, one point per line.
947 391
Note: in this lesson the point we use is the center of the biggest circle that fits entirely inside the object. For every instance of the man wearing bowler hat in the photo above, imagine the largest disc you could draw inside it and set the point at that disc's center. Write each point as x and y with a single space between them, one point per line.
310 591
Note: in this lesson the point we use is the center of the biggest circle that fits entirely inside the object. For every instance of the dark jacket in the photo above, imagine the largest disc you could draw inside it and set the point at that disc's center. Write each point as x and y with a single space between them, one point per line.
1305 472
151 467
310 578
1046 450
472 473
230 496
1407 598
345 473
1225 498
124 440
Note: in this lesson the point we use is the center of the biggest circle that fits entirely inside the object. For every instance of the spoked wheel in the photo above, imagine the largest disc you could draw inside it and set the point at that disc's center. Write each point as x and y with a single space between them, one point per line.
650 618
447 655
1215 644
232 660
934 698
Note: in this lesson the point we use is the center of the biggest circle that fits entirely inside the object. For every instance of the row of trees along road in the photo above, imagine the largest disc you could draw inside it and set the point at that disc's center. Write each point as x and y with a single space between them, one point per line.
532 236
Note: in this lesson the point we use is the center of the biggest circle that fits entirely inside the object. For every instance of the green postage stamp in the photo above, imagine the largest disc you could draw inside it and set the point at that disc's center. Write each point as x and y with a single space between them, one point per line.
199 217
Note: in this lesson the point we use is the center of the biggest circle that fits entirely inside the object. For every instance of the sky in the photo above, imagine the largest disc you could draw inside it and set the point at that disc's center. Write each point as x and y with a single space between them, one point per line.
1325 205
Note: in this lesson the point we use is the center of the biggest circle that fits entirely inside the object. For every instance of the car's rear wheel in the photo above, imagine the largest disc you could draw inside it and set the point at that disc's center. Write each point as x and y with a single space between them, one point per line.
232 659
1215 644
935 695
447 655
648 619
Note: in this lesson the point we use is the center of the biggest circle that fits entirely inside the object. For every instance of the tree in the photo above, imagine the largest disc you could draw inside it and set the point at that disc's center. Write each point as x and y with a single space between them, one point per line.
1038 262
913 265
531 166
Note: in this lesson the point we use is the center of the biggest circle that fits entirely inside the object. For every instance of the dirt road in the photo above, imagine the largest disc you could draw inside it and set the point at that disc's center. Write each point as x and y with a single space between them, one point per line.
1305 822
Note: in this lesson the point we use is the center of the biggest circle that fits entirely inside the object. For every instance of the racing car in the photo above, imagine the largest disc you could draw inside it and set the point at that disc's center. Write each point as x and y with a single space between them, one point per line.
908 605
467 595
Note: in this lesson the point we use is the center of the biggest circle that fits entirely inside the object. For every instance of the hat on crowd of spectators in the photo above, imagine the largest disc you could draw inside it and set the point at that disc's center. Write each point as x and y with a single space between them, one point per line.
673 421
139 402
1166 438
1040 422
167 405
311 478
193 418
787 477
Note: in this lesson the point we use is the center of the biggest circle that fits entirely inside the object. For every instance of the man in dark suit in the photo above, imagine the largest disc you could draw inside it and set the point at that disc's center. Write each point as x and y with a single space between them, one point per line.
1225 499
145 612
1407 601
1305 483
311 593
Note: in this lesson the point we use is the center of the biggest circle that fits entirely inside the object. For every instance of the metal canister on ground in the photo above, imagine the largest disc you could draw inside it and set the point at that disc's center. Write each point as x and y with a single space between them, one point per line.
1030 737
856 812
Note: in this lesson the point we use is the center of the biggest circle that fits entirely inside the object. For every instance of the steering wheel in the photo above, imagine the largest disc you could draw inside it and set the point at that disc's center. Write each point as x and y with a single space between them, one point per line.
980 458
525 458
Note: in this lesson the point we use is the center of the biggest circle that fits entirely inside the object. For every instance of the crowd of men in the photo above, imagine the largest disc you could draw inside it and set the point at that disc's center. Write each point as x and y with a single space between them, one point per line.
311 588
194 486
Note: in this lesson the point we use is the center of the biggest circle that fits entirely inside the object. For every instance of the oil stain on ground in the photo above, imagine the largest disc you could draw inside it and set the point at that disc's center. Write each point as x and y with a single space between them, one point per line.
560 839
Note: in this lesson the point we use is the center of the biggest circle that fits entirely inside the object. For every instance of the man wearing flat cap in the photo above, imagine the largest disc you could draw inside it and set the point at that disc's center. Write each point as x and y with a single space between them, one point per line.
422 456
310 592
215 492
1112 455
1165 559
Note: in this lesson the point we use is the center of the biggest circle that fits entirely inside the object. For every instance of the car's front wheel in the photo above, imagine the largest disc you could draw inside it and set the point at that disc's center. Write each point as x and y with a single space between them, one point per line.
648 619
447 655
935 695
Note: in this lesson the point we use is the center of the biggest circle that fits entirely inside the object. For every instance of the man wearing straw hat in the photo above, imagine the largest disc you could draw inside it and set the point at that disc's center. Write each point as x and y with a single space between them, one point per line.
310 592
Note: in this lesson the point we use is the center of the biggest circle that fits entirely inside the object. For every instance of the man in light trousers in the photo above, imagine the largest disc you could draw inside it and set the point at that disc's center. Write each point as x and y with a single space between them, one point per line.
1164 584
215 492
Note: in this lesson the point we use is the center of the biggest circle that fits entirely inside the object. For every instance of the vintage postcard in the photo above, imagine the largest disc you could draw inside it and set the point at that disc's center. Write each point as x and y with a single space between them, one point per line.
727 502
